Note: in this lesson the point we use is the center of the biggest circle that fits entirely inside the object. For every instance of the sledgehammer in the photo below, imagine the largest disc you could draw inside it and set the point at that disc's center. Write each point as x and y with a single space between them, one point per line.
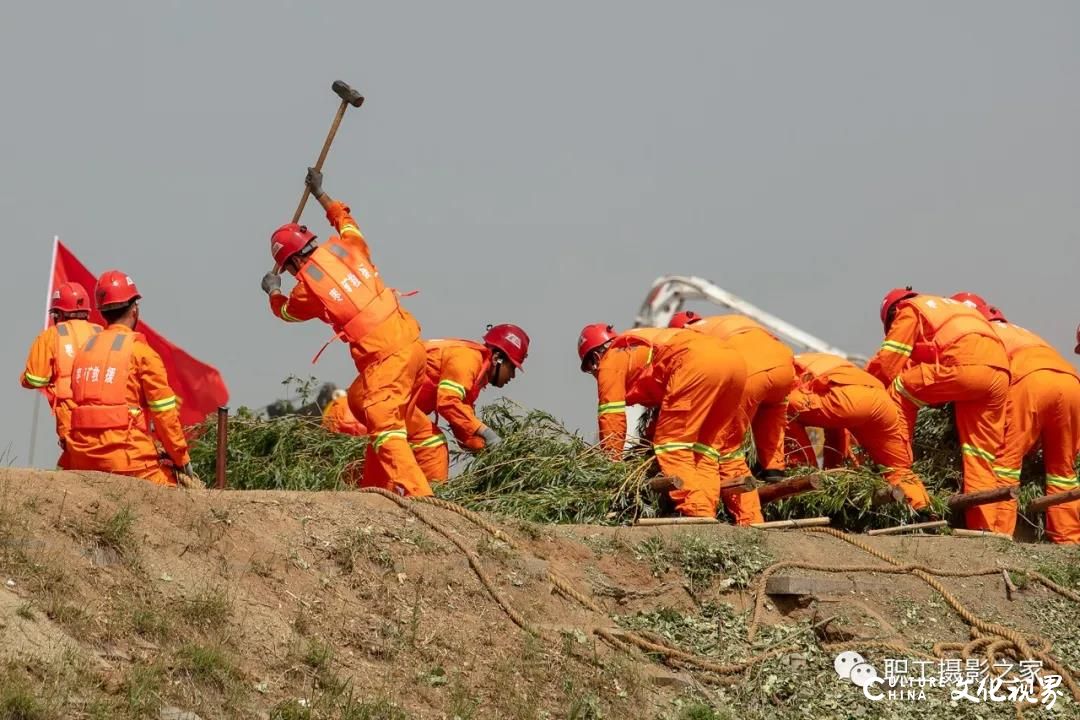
348 97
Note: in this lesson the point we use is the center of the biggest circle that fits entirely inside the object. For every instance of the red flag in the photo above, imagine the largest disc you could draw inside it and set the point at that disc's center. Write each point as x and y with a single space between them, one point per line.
198 386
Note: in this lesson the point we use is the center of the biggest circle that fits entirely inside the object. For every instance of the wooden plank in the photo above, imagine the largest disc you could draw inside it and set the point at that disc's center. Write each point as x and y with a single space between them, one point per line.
676 521
981 533
786 488
963 501
1040 504
797 523
900 529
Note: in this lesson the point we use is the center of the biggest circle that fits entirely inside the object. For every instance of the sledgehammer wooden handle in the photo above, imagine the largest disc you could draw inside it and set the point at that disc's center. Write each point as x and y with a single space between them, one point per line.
348 97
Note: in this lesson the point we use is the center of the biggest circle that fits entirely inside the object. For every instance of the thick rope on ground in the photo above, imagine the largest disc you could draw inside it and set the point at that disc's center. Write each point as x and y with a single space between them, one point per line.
474 561
1016 642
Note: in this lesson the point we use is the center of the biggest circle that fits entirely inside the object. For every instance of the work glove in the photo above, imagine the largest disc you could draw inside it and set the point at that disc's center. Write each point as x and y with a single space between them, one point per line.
491 438
314 181
271 283
187 479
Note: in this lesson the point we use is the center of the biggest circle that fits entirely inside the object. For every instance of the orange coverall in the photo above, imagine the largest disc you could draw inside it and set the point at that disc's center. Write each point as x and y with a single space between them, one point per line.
455 373
338 418
834 394
936 351
48 368
697 382
153 412
1044 403
390 361
770 377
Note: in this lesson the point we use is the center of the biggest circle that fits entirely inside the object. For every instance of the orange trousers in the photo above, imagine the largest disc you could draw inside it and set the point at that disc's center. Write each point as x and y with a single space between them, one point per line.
429 446
978 393
701 399
764 402
383 397
62 413
872 417
1045 405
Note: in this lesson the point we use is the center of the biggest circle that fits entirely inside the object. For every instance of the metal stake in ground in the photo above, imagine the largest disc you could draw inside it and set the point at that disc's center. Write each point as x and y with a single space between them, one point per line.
348 97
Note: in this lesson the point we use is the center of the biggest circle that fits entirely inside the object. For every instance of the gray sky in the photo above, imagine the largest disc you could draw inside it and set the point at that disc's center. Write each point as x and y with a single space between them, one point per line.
541 163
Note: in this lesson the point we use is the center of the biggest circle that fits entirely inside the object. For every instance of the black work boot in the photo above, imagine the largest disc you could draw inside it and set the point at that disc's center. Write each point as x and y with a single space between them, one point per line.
772 476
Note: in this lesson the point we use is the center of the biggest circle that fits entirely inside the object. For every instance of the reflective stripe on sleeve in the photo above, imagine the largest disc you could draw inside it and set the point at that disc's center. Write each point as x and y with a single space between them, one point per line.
162 405
36 381
611 407
897 347
456 388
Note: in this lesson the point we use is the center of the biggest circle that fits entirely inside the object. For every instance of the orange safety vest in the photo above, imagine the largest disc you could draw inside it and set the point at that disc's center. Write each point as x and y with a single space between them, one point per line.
429 386
942 323
1016 339
819 370
728 326
350 289
642 383
71 336
99 380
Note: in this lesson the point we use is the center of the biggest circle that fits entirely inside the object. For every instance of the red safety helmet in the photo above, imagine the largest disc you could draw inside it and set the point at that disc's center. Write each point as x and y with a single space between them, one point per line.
288 240
115 289
683 318
976 301
970 298
511 340
593 337
69 297
891 298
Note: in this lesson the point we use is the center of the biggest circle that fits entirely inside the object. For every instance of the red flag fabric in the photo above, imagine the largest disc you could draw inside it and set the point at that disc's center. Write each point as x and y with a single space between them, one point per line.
199 386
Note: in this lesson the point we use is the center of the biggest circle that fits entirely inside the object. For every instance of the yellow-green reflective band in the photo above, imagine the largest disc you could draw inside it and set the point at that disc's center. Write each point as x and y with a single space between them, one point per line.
611 407
453 387
285 314
1011 473
434 441
162 405
36 381
898 385
350 228
382 437
1062 483
896 347
703 449
977 452
672 447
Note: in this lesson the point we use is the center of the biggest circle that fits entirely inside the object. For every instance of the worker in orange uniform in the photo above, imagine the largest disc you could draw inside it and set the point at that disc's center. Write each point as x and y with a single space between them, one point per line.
456 372
937 350
338 284
338 418
121 396
48 366
770 377
697 382
834 394
1043 405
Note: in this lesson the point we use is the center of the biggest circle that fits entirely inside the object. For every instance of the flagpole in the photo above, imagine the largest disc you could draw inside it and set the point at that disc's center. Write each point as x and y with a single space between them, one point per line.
37 398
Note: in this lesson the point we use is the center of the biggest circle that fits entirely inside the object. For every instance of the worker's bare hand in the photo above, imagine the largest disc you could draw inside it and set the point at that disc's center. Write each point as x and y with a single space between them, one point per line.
271 283
314 181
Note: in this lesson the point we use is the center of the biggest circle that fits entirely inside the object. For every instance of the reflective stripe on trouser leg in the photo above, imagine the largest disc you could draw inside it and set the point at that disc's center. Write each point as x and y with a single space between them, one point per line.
382 397
433 456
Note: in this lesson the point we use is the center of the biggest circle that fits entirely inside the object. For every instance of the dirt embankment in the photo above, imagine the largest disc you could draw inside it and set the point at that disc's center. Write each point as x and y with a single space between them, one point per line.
122 599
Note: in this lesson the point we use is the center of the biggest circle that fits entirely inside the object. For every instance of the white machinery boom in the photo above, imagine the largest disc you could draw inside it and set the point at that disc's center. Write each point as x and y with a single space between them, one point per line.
669 293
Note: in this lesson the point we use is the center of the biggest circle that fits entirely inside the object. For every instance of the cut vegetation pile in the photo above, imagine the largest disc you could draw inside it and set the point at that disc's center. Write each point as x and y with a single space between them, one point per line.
543 472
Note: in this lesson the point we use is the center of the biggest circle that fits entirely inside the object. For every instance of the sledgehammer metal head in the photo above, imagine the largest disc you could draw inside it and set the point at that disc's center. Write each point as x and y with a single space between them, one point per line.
347 94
